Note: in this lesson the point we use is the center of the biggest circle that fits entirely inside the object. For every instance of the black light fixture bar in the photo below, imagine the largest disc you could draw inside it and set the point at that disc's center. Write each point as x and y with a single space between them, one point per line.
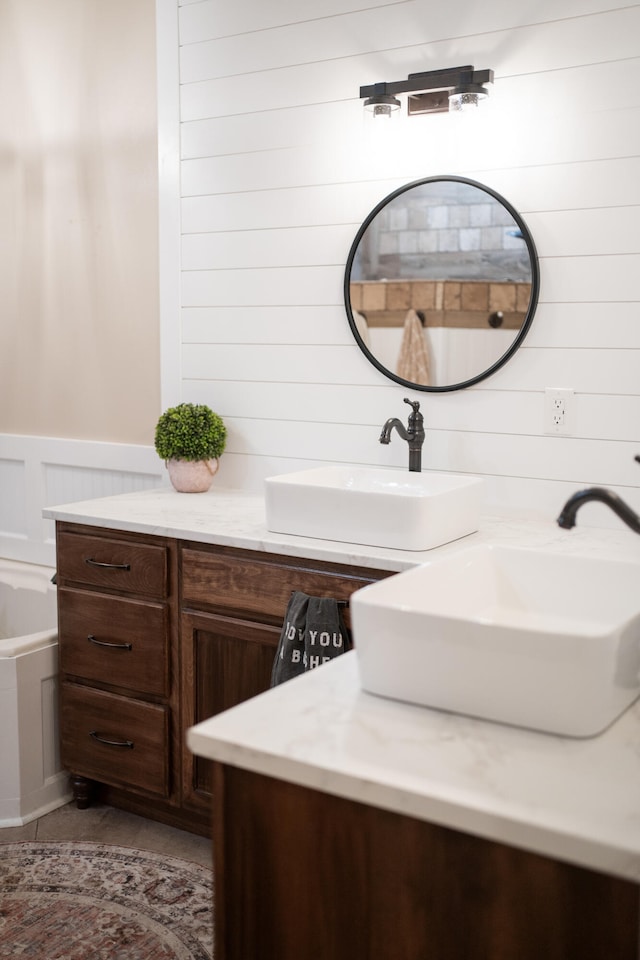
429 91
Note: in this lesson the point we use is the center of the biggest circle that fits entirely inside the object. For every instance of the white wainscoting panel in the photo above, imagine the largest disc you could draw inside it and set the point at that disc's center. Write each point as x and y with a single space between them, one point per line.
36 472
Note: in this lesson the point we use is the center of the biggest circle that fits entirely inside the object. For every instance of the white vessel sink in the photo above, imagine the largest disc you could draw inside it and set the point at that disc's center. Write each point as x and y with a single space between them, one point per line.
521 636
377 506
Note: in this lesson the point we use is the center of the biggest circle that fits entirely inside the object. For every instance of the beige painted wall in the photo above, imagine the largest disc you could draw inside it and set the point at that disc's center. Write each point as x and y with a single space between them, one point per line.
79 330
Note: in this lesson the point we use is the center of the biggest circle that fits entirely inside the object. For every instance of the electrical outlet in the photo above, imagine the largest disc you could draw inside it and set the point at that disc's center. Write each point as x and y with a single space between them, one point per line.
558 411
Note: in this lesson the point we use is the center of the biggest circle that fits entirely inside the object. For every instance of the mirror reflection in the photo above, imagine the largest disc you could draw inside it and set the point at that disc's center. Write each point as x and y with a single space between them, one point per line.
441 283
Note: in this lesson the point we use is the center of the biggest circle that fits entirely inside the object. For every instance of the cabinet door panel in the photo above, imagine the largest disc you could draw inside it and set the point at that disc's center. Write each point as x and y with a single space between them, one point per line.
114 641
226 661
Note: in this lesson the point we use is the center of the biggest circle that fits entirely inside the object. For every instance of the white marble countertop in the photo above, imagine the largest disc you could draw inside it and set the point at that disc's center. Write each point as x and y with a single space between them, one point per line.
575 800
235 518
226 517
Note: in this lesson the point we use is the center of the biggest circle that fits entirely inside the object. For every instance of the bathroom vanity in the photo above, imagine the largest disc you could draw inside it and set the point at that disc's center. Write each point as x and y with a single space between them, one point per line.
155 634
344 824
372 829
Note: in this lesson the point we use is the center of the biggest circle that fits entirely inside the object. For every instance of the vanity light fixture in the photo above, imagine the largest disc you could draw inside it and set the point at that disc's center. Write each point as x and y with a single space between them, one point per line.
434 91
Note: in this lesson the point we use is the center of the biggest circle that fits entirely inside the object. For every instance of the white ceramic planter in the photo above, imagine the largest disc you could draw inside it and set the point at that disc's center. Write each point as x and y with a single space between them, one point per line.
192 476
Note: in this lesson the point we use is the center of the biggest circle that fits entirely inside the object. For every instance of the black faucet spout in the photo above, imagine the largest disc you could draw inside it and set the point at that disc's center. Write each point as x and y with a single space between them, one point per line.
567 518
413 433
391 424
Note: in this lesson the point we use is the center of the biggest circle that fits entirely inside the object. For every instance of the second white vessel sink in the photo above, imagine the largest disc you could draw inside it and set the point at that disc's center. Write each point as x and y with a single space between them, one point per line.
528 637
376 506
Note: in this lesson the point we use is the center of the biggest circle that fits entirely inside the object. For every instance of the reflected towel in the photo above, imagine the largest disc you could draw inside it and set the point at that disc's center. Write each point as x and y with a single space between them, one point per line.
413 360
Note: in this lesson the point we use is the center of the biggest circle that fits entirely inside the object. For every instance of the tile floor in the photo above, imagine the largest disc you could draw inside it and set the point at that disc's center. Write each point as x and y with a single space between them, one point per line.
102 824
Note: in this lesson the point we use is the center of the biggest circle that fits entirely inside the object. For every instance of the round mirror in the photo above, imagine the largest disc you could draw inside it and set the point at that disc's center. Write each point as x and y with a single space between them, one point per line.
441 283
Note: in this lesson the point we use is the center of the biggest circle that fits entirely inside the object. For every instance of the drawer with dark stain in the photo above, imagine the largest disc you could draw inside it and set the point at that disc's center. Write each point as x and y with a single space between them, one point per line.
261 588
112 640
96 561
114 739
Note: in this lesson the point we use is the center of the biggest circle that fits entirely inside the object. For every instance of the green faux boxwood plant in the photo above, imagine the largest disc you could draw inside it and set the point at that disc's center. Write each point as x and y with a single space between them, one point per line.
190 438
190 431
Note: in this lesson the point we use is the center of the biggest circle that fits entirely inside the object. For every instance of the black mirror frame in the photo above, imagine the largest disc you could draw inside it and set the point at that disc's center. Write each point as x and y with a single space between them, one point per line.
533 302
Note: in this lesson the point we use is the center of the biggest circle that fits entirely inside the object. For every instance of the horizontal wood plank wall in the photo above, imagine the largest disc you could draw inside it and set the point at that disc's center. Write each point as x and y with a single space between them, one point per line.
279 169
37 472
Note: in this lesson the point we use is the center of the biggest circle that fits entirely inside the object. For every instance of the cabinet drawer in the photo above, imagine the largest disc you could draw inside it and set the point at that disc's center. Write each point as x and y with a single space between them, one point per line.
114 640
115 740
260 588
118 564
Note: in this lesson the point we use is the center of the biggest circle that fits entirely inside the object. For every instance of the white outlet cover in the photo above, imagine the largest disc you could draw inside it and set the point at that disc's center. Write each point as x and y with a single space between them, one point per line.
558 411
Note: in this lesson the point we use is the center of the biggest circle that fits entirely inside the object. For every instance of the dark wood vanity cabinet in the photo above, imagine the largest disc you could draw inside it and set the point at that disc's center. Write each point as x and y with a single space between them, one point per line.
155 635
233 607
302 873
117 660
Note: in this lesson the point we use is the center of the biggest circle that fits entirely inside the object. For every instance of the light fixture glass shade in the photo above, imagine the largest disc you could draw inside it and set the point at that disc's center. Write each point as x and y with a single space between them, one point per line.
466 100
382 106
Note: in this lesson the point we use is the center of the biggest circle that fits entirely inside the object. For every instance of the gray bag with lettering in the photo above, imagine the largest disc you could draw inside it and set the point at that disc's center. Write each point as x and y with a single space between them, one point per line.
313 633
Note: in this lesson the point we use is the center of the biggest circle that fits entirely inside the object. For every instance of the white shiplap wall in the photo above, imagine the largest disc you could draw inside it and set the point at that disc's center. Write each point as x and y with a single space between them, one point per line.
278 170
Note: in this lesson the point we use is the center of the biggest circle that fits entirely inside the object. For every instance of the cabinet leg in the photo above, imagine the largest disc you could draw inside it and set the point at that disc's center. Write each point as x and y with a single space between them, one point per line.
81 792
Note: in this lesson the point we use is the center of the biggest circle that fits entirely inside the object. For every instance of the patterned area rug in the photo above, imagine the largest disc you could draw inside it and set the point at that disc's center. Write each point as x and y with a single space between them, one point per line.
93 901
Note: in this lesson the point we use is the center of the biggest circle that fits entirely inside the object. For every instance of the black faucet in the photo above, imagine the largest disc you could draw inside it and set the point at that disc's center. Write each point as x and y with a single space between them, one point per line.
413 433
567 518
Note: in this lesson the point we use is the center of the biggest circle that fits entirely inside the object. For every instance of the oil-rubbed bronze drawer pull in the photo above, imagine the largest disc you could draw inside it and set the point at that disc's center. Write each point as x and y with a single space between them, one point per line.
109 566
108 643
128 744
